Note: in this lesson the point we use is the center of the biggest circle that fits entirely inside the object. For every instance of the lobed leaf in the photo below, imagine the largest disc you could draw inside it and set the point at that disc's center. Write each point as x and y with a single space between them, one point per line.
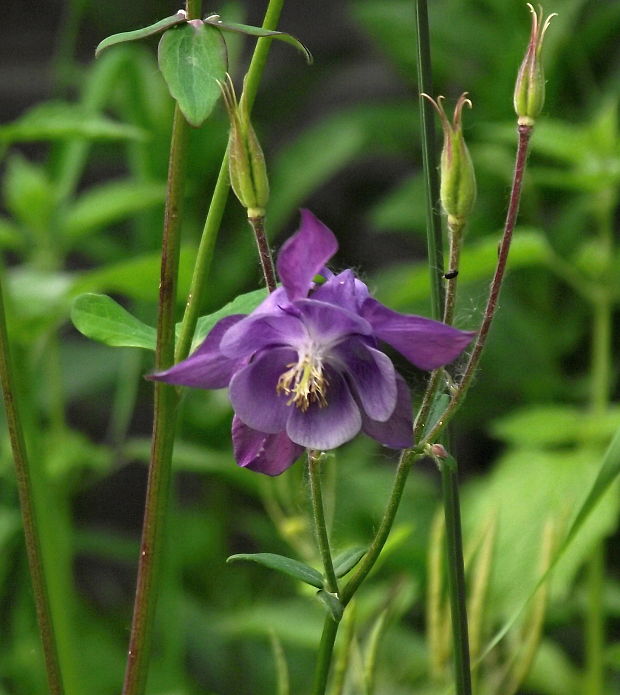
283 564
137 34
192 59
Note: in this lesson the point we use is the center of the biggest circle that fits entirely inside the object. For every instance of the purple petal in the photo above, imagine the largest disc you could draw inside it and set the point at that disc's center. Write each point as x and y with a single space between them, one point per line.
344 290
371 375
272 302
271 454
258 332
397 431
253 391
304 254
206 368
426 343
326 323
329 426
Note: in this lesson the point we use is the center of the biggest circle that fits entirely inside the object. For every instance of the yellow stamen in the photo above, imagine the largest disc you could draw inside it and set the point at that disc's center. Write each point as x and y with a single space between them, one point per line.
304 382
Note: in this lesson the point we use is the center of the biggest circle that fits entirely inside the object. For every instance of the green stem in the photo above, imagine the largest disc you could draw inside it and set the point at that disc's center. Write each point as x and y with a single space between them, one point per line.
204 255
320 527
456 575
456 235
28 511
372 555
158 486
429 158
324 656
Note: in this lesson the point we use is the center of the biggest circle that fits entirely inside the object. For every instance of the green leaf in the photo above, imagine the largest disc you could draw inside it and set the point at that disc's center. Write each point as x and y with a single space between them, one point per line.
243 304
331 602
607 475
100 318
10 236
29 194
555 425
192 59
137 277
58 120
109 203
260 32
346 560
283 564
137 34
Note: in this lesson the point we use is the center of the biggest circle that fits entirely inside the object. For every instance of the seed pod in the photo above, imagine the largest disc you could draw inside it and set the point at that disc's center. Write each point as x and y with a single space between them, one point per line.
246 162
529 96
458 179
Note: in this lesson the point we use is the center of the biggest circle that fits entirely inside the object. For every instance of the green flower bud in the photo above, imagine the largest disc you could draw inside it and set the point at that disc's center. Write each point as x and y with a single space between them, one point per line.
246 162
529 96
458 180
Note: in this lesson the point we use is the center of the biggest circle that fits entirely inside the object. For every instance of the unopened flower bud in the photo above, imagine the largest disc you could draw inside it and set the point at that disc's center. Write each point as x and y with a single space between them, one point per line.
458 180
529 96
246 162
438 451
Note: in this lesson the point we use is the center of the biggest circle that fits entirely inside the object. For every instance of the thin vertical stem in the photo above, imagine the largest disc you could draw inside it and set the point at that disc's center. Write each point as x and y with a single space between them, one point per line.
264 252
456 233
158 486
324 656
429 159
456 576
220 193
28 511
318 514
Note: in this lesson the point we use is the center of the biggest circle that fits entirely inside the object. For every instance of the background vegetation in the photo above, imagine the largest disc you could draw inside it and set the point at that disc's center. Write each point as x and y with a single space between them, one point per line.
84 154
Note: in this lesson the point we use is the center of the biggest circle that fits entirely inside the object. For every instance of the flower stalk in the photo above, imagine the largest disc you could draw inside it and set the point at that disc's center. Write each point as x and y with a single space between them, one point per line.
320 527
28 511
264 252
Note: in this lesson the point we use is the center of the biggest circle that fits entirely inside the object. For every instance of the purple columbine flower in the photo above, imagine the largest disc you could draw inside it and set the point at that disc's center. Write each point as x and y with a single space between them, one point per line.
304 369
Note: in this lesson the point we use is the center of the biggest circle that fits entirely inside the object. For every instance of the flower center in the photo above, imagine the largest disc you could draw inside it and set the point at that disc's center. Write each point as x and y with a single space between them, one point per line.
304 382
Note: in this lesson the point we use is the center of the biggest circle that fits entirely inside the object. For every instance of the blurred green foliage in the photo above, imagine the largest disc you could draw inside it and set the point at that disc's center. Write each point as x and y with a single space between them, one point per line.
83 185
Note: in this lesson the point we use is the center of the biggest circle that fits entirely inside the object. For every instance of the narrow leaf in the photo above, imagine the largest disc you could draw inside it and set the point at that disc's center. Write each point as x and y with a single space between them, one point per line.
283 680
331 602
58 120
283 564
100 318
608 473
192 59
151 30
261 33
345 561
109 203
